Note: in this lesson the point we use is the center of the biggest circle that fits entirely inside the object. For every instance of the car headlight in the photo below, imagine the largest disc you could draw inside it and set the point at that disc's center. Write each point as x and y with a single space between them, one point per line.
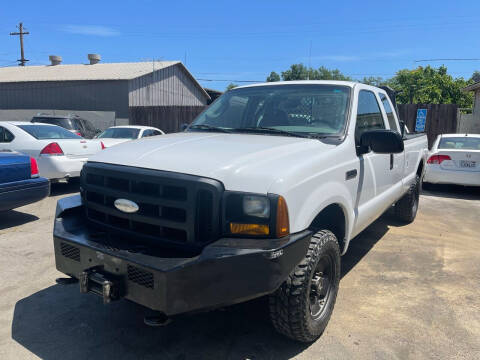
258 206
256 215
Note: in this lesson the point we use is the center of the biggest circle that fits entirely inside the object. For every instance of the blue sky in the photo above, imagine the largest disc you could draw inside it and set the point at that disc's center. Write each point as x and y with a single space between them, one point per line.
245 40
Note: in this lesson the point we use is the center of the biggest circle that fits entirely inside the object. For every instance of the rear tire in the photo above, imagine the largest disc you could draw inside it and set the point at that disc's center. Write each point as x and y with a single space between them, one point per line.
406 208
301 308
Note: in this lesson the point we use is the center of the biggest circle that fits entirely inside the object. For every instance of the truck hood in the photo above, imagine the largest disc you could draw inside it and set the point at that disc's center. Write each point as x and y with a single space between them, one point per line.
242 162
108 142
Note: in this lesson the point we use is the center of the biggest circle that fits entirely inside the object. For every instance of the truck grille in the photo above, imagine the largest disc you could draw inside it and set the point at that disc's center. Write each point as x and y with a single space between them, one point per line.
173 208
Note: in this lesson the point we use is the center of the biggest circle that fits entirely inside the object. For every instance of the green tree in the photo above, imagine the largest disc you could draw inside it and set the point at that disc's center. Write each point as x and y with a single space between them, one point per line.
273 77
425 85
231 86
373 80
475 76
301 72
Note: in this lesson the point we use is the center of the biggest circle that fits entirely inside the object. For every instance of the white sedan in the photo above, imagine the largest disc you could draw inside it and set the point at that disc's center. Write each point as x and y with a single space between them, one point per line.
118 134
60 154
454 159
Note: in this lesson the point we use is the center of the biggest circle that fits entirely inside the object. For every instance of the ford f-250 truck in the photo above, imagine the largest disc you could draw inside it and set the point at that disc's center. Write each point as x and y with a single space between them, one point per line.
261 195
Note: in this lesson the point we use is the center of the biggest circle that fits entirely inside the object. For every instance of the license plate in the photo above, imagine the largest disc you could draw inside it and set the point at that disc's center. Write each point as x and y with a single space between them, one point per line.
467 164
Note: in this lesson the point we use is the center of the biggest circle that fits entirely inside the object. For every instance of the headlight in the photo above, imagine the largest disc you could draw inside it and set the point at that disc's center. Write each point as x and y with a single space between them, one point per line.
258 206
256 215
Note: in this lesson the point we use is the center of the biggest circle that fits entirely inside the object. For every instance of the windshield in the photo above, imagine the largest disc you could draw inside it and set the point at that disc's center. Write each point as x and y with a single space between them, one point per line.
465 143
297 109
120 133
63 122
43 132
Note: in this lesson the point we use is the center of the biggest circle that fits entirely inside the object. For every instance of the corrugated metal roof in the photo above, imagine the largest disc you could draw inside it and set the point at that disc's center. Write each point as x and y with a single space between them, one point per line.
472 87
101 71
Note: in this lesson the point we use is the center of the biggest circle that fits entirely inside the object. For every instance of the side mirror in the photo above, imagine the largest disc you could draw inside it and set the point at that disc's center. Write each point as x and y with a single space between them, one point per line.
381 142
402 127
183 127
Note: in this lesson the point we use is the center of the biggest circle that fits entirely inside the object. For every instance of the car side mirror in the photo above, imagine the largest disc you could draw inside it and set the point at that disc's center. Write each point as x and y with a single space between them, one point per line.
183 127
381 142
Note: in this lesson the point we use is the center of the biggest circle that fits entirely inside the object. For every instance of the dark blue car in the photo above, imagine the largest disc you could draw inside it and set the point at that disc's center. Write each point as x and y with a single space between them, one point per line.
19 181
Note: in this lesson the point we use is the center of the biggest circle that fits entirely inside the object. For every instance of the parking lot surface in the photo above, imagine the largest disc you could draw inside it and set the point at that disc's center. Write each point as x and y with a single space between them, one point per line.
407 292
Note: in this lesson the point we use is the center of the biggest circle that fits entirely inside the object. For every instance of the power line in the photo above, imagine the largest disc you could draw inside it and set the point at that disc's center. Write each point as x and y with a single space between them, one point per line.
472 59
22 59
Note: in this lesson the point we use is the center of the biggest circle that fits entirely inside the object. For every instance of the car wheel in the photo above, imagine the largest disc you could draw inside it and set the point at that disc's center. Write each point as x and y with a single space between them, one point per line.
406 208
302 306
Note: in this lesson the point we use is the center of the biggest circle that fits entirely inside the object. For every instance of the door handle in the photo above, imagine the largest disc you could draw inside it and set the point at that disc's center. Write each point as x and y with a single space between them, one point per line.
391 161
351 174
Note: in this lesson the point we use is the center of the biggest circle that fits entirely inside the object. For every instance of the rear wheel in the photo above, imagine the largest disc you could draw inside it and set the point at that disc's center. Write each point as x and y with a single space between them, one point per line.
302 306
406 208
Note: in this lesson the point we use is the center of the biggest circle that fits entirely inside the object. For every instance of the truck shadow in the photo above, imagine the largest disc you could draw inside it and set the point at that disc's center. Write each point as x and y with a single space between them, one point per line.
64 188
14 218
58 322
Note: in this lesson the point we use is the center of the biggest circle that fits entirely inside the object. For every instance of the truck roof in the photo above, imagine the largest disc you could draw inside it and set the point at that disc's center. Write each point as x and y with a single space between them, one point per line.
306 82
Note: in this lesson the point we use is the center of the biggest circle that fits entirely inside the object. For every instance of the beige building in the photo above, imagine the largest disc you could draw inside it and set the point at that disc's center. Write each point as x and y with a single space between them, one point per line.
470 123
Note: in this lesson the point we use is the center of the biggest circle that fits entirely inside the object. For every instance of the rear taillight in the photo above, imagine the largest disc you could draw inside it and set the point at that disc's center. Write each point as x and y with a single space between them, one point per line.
33 168
103 146
438 159
52 149
78 133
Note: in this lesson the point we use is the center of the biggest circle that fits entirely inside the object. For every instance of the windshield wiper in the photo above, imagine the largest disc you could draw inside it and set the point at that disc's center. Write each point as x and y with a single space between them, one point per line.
209 128
268 130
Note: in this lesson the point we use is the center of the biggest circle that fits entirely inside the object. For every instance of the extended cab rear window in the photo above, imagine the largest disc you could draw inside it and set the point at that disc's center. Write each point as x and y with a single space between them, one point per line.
464 143
44 132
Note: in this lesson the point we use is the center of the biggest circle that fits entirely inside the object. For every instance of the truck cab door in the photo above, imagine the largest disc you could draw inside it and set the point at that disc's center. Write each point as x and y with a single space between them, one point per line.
377 175
397 161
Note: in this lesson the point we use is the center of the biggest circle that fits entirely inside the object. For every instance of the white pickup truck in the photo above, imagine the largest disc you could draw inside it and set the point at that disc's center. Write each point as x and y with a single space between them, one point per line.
261 195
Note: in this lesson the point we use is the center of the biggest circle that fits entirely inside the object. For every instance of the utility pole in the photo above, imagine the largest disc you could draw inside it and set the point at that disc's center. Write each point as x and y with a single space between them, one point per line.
22 60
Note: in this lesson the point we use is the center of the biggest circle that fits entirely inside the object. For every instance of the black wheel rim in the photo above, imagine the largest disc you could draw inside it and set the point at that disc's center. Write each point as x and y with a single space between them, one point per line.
321 286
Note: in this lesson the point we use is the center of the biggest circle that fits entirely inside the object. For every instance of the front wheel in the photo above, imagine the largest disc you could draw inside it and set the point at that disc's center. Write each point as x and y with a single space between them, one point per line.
302 306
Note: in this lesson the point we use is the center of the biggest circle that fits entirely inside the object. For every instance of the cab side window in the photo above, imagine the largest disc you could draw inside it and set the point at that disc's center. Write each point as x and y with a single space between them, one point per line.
389 112
5 135
369 116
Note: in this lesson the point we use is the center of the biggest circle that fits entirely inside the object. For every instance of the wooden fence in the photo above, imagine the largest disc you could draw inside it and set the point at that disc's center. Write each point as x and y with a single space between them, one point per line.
441 118
167 118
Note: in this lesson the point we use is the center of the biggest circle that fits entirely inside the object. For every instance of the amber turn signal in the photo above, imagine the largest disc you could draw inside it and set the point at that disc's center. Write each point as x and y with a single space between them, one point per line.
283 228
249 229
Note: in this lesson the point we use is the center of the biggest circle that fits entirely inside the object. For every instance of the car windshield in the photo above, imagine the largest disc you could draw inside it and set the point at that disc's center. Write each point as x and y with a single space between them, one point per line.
63 122
464 143
43 132
301 110
120 133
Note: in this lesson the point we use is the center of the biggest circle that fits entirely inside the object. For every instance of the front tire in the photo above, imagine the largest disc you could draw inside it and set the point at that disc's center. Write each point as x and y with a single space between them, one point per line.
301 308
406 208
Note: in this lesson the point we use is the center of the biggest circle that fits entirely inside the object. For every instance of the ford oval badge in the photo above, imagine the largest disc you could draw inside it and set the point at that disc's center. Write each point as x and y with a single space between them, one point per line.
126 206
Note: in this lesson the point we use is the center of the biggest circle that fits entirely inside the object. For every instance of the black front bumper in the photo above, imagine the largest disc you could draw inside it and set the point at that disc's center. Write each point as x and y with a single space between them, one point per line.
226 272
